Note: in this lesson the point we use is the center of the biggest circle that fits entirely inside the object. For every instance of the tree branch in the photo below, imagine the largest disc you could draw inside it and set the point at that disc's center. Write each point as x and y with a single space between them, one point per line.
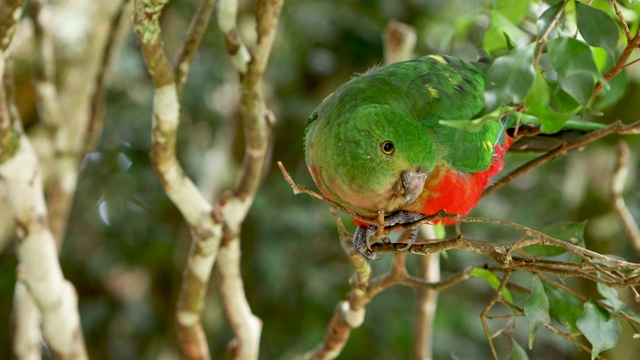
427 300
195 33
257 123
39 269
119 21
350 314
40 278
615 128
497 297
618 181
205 223
621 63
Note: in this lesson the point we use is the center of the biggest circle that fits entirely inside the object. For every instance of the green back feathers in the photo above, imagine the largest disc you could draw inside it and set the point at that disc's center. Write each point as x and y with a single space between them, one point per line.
427 89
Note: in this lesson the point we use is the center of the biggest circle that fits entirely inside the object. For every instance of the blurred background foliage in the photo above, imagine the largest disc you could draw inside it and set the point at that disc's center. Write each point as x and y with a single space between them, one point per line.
126 243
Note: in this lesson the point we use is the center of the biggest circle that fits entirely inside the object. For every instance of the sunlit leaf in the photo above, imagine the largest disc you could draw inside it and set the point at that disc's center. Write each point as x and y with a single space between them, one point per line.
536 309
493 280
599 327
509 78
597 27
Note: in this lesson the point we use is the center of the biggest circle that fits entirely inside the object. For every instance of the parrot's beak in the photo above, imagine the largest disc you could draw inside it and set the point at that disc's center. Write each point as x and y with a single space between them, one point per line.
412 184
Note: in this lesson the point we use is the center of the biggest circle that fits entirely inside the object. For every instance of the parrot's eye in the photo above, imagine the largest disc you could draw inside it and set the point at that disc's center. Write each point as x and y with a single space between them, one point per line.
387 147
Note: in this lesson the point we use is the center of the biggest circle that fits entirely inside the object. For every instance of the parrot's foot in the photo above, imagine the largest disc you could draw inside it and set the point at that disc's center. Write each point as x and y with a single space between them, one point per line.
361 240
365 233
410 240
402 217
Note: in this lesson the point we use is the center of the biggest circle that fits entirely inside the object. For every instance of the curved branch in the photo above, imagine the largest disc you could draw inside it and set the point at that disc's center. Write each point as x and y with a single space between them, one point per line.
205 223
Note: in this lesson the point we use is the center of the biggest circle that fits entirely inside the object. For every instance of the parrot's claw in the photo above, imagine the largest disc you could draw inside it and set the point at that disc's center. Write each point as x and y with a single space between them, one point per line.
410 240
365 233
361 240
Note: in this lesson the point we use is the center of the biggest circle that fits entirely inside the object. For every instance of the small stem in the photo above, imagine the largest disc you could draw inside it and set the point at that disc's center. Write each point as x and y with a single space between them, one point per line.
625 26
546 33
616 127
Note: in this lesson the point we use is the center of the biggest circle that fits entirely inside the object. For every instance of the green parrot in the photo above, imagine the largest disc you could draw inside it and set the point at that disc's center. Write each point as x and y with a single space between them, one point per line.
377 143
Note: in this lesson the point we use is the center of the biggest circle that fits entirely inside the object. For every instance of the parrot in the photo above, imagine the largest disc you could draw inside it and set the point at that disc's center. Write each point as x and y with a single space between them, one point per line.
377 143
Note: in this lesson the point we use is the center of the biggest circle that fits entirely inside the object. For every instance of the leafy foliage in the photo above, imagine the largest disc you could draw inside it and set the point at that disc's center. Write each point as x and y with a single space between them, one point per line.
599 327
548 72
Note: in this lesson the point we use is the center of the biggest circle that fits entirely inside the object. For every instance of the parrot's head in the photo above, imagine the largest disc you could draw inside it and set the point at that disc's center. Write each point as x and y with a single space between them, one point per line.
370 157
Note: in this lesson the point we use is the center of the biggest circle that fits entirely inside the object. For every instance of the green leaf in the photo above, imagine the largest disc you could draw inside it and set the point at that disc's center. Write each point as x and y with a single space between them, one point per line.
602 330
567 231
597 27
612 296
493 280
565 102
536 309
475 125
564 307
552 122
509 42
509 78
517 352
573 62
579 86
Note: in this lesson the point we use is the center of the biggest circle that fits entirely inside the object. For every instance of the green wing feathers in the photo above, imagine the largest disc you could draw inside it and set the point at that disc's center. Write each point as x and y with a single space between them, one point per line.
427 89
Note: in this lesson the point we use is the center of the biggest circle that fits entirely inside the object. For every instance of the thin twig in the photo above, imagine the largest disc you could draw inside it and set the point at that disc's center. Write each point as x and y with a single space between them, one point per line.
546 33
257 124
572 339
119 20
195 33
497 297
625 26
499 252
620 64
631 63
616 127
301 189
